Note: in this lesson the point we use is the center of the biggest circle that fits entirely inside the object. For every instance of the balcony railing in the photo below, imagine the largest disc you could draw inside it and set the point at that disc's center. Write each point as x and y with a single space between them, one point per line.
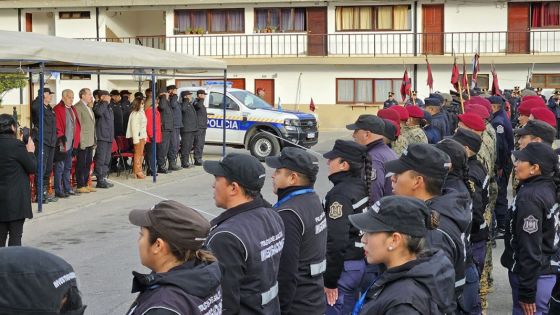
353 44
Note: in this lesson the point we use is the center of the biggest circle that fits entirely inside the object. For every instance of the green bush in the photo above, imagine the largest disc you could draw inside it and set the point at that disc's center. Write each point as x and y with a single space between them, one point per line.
9 81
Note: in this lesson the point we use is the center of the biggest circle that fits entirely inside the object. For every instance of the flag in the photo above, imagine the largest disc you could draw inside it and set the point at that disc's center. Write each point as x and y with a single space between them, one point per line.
430 80
495 85
464 79
475 70
279 105
312 105
405 86
455 75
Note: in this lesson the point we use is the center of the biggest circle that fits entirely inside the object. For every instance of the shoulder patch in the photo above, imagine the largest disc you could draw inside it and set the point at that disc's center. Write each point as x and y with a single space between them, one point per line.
500 129
373 173
335 210
530 224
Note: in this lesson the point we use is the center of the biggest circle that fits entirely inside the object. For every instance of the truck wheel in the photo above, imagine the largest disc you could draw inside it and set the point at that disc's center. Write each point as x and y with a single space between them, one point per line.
263 145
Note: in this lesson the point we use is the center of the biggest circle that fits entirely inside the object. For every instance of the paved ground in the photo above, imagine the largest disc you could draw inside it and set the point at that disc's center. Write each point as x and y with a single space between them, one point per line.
92 231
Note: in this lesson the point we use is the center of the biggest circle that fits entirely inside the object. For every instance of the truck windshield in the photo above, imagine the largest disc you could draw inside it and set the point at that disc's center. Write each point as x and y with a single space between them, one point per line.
250 100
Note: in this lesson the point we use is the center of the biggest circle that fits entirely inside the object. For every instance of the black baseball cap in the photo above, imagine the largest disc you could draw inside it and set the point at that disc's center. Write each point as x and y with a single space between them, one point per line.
297 160
423 158
390 131
498 100
370 123
115 93
171 87
347 150
45 90
538 153
456 152
103 93
539 129
402 214
138 95
432 101
35 282
185 93
175 222
201 92
125 92
244 169
468 138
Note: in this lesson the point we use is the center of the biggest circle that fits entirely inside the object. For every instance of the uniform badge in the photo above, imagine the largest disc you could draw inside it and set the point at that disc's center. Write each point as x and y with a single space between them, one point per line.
500 129
373 174
530 224
335 211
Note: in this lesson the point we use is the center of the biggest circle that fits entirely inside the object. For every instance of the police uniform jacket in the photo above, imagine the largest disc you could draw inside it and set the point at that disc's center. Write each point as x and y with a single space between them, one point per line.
104 122
248 241
166 114
388 103
554 107
49 123
348 196
478 176
418 102
189 116
452 117
421 286
202 116
191 288
441 124
432 134
504 139
530 239
303 262
380 153
177 111
119 113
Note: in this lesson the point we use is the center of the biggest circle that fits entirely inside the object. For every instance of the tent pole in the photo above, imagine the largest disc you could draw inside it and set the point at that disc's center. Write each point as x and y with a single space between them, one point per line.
225 113
39 189
154 136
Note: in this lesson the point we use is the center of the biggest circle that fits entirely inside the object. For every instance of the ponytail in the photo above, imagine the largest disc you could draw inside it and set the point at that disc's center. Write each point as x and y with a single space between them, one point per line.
432 221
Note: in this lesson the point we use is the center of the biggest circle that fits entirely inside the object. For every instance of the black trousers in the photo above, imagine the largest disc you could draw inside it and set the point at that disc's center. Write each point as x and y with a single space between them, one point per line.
163 147
501 201
152 164
199 140
83 165
48 162
14 229
557 128
187 141
174 146
102 159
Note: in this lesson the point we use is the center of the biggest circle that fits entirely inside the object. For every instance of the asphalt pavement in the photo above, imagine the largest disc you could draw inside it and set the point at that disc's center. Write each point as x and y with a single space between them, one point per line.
92 232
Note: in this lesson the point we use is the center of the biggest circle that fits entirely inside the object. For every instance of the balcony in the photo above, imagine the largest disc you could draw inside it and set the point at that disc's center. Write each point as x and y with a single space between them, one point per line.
354 44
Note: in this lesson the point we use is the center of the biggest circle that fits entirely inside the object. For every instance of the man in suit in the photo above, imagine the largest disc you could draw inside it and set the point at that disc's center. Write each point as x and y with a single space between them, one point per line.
87 139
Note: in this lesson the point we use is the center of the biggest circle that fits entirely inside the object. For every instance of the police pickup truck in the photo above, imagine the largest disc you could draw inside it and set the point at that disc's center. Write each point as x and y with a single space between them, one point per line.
253 124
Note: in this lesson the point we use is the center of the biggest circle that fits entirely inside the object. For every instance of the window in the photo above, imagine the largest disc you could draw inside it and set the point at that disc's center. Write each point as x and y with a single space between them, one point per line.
546 81
373 18
280 20
68 76
74 15
216 101
483 80
545 14
367 91
211 21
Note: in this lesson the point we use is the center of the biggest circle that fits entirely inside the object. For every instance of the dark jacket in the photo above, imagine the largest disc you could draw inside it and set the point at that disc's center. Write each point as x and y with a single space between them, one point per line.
15 166
248 241
381 186
348 196
389 103
452 118
432 134
553 106
303 262
166 111
189 116
478 176
441 124
121 112
49 124
421 286
104 122
530 247
177 111
191 288
202 116
504 139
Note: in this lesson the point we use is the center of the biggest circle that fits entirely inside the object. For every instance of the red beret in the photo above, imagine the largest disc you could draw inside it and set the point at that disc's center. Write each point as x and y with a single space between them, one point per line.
415 112
403 113
478 110
482 101
472 121
533 97
527 105
544 114
389 114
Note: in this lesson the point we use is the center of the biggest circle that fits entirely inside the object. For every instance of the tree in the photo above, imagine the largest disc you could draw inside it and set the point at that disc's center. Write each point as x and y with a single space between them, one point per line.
9 81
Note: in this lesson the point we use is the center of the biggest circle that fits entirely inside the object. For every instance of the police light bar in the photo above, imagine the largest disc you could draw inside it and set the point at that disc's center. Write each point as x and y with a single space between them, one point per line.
219 83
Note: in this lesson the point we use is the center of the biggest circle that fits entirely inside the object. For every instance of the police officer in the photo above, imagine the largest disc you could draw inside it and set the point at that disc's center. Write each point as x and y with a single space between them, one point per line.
247 238
413 100
303 262
439 119
412 128
189 129
531 236
450 109
554 106
539 93
390 101
504 166
420 172
368 130
431 133
202 119
535 131
105 135
345 256
167 128
402 141
417 280
175 104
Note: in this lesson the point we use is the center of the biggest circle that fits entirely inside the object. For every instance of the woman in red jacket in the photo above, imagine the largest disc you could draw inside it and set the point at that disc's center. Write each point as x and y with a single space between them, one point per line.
150 160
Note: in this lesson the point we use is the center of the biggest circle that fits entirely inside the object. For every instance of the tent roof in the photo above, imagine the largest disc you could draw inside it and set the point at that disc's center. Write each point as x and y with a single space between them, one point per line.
58 53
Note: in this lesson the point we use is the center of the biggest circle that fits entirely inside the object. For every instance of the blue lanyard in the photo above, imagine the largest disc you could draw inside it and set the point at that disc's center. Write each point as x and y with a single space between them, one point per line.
292 195
361 301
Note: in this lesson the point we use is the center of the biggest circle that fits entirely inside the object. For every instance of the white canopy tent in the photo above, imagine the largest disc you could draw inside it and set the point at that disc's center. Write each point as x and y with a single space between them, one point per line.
34 53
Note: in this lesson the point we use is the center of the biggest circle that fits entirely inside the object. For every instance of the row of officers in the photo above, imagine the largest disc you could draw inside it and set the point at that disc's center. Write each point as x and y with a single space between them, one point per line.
410 239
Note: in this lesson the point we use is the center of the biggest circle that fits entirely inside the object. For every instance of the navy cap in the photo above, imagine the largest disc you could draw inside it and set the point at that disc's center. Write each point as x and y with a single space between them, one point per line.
498 100
468 138
428 117
539 129
438 96
422 158
402 214
370 123
432 101
244 169
171 87
538 153
390 131
297 160
103 93
115 93
347 150
185 93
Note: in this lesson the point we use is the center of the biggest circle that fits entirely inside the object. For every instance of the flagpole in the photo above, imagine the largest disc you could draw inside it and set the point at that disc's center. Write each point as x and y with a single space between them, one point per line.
467 78
460 88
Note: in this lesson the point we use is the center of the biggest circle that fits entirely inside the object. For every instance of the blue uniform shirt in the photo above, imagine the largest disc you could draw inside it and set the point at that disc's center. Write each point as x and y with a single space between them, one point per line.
504 138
